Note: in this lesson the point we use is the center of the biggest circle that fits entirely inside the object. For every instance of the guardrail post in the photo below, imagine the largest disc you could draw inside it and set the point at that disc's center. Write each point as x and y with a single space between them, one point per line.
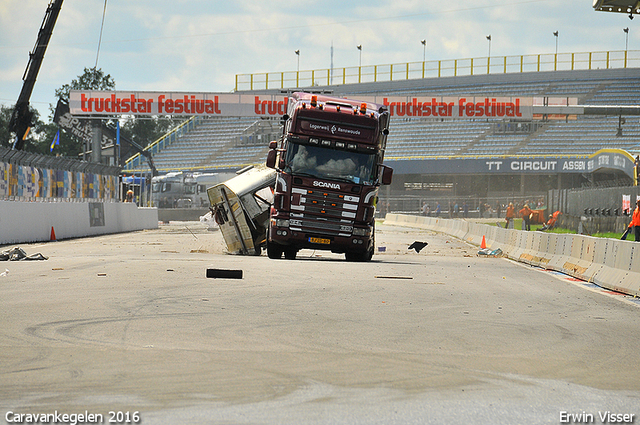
522 64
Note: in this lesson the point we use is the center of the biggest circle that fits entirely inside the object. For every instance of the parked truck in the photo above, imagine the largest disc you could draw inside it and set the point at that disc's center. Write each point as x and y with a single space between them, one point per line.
328 171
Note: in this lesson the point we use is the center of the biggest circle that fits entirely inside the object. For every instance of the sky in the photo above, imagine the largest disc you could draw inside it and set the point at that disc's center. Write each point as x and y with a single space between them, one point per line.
200 45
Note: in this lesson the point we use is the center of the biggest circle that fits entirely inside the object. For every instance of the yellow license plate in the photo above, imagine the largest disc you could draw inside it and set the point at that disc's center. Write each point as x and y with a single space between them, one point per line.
320 240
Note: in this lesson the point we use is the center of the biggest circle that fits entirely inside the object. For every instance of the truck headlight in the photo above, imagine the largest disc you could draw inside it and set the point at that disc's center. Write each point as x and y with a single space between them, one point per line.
357 231
280 222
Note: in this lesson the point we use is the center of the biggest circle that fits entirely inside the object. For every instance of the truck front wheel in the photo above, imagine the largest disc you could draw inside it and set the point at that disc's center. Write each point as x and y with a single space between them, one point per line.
274 251
359 256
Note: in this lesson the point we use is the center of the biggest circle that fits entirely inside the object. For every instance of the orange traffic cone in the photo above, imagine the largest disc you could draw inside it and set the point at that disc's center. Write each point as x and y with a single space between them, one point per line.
53 235
483 245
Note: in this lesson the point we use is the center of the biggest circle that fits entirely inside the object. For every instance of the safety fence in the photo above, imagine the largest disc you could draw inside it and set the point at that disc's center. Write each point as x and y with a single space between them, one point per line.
610 263
440 68
27 176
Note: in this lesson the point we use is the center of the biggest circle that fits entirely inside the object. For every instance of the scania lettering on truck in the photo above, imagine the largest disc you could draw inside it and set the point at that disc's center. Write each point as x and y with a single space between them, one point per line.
328 170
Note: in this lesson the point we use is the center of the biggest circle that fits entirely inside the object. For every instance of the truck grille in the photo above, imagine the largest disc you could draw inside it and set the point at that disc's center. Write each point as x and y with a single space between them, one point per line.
321 211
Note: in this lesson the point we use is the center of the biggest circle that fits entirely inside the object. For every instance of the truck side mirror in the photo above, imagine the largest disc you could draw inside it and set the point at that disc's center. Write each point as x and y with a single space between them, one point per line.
273 144
271 158
387 175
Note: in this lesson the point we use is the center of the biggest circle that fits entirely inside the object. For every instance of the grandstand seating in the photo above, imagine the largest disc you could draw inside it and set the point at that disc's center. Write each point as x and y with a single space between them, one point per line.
230 143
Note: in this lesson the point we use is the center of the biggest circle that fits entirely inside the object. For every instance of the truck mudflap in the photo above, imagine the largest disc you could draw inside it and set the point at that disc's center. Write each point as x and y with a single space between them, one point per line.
241 208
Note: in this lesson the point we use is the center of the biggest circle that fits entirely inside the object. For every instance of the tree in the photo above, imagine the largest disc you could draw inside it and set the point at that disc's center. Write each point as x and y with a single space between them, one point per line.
70 146
91 79
7 138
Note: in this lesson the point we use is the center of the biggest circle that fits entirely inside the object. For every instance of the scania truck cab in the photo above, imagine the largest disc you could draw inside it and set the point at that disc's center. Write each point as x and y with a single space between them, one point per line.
328 171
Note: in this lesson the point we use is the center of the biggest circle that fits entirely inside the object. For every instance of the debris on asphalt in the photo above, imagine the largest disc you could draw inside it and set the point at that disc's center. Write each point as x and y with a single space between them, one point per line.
393 277
418 245
490 252
224 274
18 254
5 273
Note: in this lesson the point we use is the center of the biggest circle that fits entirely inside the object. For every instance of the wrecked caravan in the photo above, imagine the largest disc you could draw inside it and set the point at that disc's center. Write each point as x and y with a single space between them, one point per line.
241 208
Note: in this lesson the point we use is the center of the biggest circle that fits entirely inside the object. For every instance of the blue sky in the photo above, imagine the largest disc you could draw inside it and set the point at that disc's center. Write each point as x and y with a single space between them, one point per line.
198 45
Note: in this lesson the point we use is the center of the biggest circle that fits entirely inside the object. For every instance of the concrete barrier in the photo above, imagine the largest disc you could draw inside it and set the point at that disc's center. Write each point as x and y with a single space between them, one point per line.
610 263
23 222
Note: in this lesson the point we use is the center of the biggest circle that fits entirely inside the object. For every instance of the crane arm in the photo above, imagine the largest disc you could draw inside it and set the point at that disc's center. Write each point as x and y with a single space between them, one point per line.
22 118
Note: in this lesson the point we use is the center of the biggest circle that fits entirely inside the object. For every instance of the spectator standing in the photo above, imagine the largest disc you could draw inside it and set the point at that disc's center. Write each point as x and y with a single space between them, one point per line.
526 213
635 221
438 209
511 214
465 209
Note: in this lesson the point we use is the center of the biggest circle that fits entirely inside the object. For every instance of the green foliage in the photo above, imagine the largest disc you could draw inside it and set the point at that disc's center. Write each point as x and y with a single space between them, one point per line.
7 138
91 79
147 130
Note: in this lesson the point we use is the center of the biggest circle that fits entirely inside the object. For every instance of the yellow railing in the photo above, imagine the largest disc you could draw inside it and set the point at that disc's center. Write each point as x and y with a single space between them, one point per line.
442 68
154 147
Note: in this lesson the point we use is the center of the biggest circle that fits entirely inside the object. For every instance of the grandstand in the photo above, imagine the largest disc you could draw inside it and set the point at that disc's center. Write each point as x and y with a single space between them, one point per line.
416 144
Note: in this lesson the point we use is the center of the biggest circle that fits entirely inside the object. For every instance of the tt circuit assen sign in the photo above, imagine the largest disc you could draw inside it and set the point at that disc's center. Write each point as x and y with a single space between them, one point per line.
97 103
604 159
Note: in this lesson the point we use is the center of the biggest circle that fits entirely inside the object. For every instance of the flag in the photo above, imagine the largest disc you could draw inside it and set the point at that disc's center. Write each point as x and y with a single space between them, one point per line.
56 141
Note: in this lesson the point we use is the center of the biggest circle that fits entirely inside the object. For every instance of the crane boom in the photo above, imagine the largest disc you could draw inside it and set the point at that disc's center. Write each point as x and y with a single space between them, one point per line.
22 118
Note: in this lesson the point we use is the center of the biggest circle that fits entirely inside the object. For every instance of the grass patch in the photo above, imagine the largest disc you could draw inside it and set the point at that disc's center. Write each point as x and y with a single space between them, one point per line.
518 225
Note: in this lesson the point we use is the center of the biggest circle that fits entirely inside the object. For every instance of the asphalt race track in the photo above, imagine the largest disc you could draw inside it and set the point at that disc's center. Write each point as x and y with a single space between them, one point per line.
130 324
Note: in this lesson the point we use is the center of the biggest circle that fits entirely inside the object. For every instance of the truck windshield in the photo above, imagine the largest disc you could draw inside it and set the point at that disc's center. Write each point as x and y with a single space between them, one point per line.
330 164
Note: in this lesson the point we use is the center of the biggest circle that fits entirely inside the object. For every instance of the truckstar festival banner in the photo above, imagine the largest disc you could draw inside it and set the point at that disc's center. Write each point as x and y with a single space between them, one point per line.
109 103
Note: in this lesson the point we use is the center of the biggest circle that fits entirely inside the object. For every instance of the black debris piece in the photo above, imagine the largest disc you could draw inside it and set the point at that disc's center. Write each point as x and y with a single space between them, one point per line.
418 245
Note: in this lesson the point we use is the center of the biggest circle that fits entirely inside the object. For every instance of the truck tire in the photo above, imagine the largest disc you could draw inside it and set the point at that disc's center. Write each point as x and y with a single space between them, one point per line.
274 251
359 256
290 253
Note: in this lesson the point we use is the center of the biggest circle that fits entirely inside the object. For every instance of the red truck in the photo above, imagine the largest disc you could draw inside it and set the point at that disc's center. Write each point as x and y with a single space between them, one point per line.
328 171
